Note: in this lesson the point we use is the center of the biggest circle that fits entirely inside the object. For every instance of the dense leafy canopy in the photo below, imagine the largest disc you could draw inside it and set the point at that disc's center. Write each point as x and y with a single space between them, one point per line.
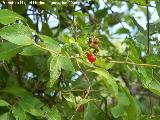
45 72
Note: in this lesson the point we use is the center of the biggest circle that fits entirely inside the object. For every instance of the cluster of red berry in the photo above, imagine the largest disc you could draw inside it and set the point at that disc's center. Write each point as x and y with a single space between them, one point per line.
93 43
91 57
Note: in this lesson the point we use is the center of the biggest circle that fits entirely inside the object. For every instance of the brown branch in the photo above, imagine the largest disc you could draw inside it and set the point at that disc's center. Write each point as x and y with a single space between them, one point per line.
148 32
19 77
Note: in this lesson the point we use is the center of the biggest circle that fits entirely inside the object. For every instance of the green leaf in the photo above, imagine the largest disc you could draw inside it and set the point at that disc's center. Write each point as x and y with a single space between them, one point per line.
101 13
84 101
146 75
122 31
86 63
134 52
66 63
17 34
140 28
30 117
17 91
31 107
46 29
132 111
6 116
52 114
158 9
113 19
19 112
8 17
90 112
50 43
76 48
142 2
121 107
26 102
109 80
102 63
8 50
126 105
70 98
148 81
3 103
55 69
32 50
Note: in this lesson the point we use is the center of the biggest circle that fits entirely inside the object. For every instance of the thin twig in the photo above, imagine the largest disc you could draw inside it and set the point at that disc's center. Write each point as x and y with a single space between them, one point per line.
136 64
79 90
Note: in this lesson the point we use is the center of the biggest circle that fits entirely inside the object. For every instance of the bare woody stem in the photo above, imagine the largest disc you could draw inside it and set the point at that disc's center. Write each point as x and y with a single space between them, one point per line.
74 25
148 52
19 75
148 30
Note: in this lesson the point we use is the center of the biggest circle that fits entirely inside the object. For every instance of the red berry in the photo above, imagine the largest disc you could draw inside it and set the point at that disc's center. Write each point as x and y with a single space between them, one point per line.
91 57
